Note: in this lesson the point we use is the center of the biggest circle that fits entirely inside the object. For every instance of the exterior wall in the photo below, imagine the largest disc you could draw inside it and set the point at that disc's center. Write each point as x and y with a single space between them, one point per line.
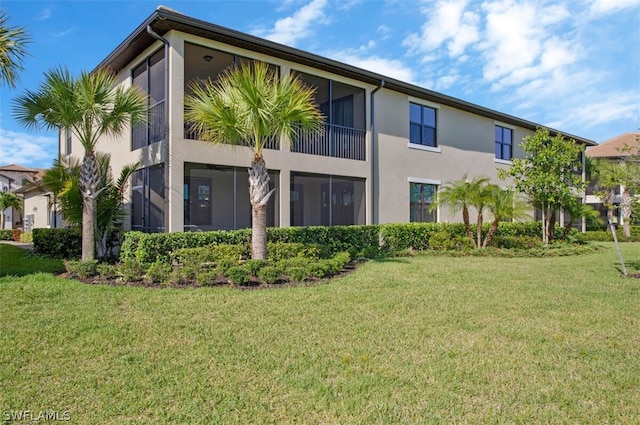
37 212
465 146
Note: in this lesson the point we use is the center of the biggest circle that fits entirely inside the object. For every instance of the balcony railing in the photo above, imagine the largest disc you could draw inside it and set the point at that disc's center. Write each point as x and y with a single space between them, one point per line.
191 134
153 130
336 141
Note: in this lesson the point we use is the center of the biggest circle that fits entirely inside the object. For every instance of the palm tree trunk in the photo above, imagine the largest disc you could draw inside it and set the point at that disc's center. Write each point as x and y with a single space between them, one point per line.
465 219
89 181
259 195
479 230
490 233
625 208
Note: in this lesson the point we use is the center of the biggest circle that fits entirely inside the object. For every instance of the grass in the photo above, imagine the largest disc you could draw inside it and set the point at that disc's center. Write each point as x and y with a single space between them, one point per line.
15 261
406 340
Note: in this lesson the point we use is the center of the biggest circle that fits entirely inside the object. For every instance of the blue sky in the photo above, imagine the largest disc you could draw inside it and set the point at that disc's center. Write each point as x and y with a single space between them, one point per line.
571 65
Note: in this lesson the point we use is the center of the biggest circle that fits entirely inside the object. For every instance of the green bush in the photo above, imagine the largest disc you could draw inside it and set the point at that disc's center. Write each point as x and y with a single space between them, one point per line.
297 274
158 273
207 277
82 269
131 270
441 240
6 235
238 275
209 254
270 274
318 269
107 271
58 243
606 236
254 266
516 242
282 250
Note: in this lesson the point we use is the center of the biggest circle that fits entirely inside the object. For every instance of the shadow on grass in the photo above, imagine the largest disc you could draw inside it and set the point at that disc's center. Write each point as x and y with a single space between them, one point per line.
15 261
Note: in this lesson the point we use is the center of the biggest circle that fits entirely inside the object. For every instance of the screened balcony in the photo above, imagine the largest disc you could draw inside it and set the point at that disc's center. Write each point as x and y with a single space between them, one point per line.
335 140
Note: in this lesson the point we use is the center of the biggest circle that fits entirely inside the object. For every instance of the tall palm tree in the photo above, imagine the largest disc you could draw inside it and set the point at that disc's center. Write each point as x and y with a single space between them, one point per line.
91 105
460 195
247 106
504 205
12 50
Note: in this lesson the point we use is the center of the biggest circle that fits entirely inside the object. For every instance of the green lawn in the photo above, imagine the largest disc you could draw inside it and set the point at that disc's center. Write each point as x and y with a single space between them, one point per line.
15 261
408 340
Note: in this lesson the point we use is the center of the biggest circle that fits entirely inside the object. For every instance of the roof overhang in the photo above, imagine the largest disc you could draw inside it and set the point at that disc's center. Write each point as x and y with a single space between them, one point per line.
163 20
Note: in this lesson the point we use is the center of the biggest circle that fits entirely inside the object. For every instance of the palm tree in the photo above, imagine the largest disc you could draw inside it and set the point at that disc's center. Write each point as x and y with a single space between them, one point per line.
481 196
91 105
459 196
504 205
12 50
8 200
247 106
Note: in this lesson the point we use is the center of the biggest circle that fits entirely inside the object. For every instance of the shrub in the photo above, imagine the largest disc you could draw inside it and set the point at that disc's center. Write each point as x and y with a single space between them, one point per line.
26 237
516 242
6 234
158 273
131 270
254 266
179 276
297 274
15 236
464 243
82 269
58 243
238 275
269 274
441 240
207 277
209 254
318 269
282 250
107 271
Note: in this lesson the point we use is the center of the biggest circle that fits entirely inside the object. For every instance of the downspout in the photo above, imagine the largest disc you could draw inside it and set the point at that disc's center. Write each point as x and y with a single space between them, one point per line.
167 150
374 155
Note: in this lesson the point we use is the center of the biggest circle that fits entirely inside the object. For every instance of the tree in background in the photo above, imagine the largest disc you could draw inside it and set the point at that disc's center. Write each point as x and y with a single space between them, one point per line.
547 175
8 200
504 205
459 196
247 106
63 179
13 41
91 105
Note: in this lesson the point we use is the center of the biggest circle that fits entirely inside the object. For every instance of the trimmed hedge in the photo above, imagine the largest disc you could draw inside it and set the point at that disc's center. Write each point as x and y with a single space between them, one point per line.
6 235
58 243
605 235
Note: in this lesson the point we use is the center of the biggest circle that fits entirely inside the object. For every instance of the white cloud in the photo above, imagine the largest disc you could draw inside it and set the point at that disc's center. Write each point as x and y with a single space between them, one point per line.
617 106
388 67
27 150
605 7
44 14
448 24
297 26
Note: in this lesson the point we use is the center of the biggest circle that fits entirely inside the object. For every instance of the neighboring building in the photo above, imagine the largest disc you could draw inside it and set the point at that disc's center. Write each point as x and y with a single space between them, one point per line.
619 147
13 178
386 149
39 207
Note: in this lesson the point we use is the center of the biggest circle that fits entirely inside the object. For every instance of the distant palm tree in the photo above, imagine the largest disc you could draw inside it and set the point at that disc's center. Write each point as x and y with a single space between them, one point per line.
13 41
91 105
8 200
504 205
247 106
460 195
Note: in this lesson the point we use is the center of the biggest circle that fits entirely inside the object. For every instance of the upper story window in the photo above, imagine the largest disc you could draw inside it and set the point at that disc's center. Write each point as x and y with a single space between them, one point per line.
149 78
503 143
422 125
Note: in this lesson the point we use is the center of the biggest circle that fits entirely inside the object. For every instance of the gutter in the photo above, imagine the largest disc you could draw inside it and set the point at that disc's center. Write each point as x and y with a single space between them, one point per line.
167 150
374 155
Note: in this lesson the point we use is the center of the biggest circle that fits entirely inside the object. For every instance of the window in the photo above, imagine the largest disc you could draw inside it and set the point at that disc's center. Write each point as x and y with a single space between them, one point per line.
149 78
421 197
504 138
68 142
147 200
422 125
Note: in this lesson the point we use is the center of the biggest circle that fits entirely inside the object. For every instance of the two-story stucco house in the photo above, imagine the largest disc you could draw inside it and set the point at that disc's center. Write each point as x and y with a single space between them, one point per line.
386 149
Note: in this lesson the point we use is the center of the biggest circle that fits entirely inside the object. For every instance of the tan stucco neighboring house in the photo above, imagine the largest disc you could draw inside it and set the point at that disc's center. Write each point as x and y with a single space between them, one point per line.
14 177
624 145
387 147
